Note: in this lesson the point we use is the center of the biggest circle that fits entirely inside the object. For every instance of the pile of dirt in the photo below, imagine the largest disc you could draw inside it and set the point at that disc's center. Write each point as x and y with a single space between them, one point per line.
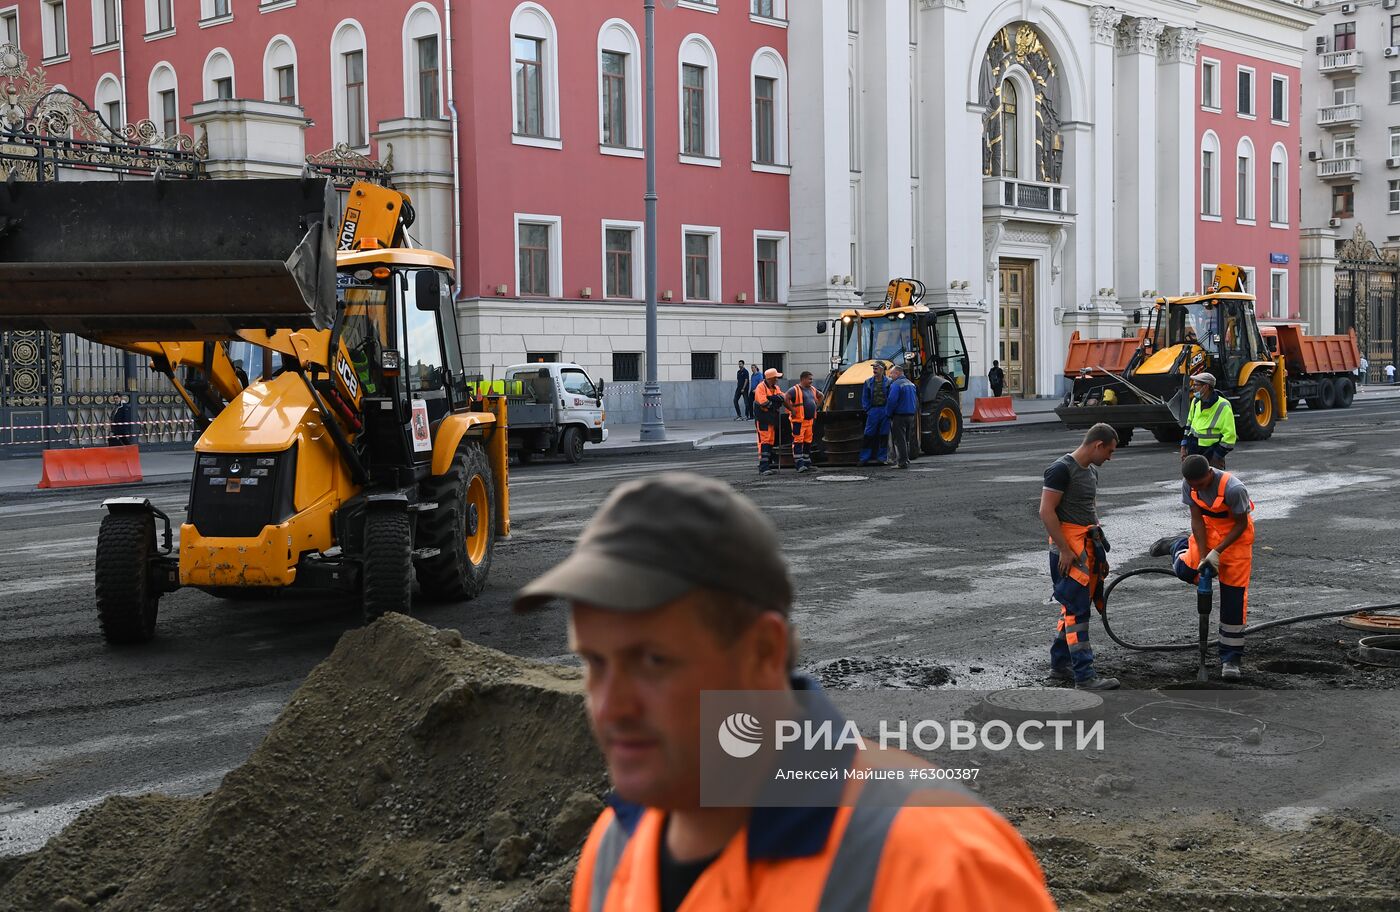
412 771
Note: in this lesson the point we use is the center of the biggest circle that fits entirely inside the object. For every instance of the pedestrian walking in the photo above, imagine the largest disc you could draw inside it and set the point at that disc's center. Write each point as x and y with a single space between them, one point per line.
1210 422
1078 554
755 378
996 377
1362 371
741 393
1222 537
802 413
768 405
122 424
678 587
1390 373
874 398
904 416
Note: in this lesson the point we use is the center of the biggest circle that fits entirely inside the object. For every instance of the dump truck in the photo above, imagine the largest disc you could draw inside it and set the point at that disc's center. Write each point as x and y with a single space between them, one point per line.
360 465
1144 381
928 344
558 410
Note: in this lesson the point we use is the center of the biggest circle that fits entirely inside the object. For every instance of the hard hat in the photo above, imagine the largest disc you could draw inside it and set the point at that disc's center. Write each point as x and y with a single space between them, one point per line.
1204 377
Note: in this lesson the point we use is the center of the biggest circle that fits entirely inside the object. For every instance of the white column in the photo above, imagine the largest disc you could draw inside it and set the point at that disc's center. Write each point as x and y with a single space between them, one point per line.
1135 155
1317 274
1176 161
888 217
1089 146
419 154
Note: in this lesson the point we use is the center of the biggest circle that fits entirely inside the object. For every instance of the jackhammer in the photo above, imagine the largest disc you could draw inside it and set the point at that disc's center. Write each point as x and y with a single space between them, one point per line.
1203 600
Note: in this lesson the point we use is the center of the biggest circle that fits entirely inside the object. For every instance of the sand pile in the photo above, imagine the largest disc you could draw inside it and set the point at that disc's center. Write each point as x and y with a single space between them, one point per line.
412 771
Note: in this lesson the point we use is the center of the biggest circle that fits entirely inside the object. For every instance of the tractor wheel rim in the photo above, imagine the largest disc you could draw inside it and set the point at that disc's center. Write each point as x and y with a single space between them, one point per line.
1263 407
947 425
478 525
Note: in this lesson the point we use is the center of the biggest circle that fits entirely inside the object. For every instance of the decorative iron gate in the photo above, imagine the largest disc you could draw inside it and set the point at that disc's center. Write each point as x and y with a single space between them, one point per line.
1368 282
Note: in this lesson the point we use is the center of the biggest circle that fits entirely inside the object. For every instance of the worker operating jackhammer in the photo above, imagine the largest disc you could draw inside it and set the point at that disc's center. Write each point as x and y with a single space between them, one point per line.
1222 536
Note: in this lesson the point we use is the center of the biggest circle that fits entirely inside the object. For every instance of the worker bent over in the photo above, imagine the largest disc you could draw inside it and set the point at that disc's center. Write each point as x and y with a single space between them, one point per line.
1078 554
768 403
1210 422
678 587
802 413
874 398
1222 529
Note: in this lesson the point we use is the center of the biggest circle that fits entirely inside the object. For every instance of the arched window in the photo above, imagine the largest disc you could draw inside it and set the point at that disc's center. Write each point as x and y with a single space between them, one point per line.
218 75
280 70
699 99
534 55
108 101
422 63
769 87
1210 175
1019 88
619 87
1244 180
1010 136
164 99
350 111
1278 185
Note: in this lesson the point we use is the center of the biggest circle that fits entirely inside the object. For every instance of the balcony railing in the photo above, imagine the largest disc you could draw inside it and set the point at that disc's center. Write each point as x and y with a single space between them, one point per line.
1339 62
1342 115
1021 194
1335 168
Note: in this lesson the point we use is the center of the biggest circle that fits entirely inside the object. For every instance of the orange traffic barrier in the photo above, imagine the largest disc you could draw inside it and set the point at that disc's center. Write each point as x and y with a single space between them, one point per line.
91 466
993 408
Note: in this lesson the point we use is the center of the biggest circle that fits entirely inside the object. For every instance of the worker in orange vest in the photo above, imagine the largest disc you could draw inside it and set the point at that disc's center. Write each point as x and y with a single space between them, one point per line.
802 413
678 587
768 404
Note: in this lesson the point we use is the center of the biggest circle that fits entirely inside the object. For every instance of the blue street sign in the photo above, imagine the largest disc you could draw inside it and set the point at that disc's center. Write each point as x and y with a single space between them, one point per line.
1278 259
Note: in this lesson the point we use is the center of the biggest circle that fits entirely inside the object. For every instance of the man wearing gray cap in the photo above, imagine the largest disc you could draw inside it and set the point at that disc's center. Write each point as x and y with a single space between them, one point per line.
1210 422
677 587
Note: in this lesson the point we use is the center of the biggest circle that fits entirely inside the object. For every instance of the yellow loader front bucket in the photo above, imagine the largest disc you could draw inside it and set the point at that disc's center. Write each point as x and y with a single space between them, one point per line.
168 260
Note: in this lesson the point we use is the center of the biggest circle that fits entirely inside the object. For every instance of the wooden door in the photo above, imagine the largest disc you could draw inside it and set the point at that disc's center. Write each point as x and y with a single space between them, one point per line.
1016 326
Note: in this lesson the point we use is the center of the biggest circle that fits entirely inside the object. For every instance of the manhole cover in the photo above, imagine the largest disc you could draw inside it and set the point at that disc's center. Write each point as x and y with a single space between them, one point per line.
1304 667
843 477
1380 623
1379 650
1021 704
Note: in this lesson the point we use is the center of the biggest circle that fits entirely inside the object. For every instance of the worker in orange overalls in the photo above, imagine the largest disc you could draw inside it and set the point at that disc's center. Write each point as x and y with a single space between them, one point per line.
802 413
1222 536
678 588
768 404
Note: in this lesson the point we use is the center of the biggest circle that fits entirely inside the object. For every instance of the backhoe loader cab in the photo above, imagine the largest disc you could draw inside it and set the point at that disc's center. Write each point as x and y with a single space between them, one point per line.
927 344
359 465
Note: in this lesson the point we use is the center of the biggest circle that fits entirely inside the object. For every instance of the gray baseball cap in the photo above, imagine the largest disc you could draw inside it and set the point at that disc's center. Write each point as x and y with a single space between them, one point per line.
656 539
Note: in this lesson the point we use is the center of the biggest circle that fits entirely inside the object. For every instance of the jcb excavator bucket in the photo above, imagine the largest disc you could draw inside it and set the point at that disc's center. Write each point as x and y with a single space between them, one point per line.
167 259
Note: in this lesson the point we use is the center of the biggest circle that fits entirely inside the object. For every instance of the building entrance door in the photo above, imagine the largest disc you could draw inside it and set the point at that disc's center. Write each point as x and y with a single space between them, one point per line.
1016 325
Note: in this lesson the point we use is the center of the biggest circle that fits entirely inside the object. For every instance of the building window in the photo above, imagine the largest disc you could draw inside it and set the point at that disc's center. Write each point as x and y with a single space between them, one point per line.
220 8
1394 29
1395 86
1207 276
1210 176
767 278
280 71
697 267
769 74
428 104
693 87
765 151
1278 100
223 87
104 23
108 102
160 16
1394 196
213 9
1344 36
1245 101
775 360
764 9
699 99
1278 294
529 86
614 98
1278 185
1344 146
1210 84
218 75
349 92
286 79
168 113
627 367
55 29
1395 142
354 63
534 259
704 365
619 82
1244 181
621 275
1010 139
1343 201
9 27
1344 92
535 77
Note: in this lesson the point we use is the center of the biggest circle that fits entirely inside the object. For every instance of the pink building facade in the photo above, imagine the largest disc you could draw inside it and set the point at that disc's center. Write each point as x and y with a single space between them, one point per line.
1247 188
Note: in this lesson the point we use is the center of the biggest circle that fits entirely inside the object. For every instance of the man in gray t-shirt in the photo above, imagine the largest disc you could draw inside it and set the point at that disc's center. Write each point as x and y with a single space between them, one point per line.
1078 561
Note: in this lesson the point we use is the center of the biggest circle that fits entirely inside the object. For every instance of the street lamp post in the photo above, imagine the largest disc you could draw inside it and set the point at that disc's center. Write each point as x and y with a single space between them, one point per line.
653 425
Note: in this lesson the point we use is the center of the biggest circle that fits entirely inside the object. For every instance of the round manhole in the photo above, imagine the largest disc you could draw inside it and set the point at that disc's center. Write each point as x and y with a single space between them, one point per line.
1312 667
843 477
1021 704
1379 650
1380 623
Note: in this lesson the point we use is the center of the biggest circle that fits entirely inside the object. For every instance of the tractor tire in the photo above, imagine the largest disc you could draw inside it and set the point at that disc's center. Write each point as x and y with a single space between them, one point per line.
462 528
1346 391
940 426
126 601
1327 394
1258 411
1125 435
387 583
1166 433
572 445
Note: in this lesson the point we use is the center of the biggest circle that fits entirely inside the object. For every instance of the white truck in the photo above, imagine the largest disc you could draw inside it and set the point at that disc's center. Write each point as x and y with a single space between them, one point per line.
555 408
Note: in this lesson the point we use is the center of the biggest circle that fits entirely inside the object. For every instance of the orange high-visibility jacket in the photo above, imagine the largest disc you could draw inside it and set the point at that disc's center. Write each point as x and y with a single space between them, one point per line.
1236 561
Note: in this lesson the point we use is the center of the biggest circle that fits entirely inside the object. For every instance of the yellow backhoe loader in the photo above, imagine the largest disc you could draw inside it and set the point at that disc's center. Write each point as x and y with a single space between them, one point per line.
360 465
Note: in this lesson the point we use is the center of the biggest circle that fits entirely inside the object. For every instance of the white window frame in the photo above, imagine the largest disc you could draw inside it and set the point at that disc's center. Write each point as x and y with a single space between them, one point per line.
1245 149
1342 140
779 18
555 223
153 29
154 86
1212 103
272 59
1279 207
1210 195
1207 275
697 50
347 37
768 63
1394 87
1249 284
1274 80
1283 296
700 6
213 72
1253 93
1393 196
422 21
271 6
50 33
530 20
99 25
109 89
716 272
617 36
207 16
638 230
784 263
1395 142
12 13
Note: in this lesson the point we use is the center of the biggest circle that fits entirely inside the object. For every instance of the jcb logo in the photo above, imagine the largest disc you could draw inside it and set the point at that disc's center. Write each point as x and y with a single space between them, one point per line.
348 229
349 377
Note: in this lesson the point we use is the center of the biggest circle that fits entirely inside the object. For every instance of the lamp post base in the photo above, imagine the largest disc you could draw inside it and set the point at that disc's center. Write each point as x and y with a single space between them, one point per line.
653 427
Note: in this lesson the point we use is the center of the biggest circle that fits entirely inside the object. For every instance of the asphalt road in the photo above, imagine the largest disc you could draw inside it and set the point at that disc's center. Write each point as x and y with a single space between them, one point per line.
896 571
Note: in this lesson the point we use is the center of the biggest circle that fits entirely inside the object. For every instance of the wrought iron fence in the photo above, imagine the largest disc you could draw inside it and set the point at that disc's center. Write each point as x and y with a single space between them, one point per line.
1368 299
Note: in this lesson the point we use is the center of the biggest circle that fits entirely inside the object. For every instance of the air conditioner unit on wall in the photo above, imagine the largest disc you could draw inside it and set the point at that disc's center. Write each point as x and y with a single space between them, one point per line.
1334 223
1388 4
1322 44
1313 156
1348 7
1392 51
1392 162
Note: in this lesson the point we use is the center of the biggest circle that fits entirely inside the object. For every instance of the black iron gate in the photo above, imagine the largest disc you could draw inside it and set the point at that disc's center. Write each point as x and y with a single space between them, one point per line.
1368 282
